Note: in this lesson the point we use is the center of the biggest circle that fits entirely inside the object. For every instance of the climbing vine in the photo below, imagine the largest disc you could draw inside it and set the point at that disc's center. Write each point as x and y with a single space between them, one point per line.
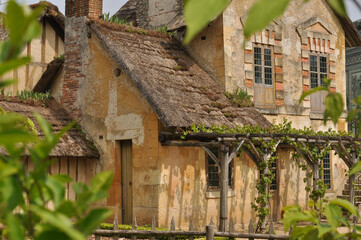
265 150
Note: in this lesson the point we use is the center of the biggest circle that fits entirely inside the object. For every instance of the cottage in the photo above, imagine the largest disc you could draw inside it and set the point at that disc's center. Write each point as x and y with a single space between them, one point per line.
126 84
74 155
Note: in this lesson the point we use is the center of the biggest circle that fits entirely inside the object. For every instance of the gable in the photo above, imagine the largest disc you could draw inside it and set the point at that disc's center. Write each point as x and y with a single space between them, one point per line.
318 27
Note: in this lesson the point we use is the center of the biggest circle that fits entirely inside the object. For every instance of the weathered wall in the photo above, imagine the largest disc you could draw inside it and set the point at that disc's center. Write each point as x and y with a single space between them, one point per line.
207 49
42 50
156 13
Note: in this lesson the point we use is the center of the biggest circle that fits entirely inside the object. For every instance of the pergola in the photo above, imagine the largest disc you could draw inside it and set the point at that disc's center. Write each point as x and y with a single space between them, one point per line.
345 147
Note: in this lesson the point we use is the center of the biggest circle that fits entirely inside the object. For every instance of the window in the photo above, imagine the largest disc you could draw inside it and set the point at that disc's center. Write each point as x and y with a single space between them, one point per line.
273 171
263 66
264 95
318 70
326 164
214 172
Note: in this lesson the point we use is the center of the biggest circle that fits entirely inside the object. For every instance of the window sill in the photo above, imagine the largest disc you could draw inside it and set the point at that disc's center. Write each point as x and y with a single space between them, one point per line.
215 193
316 116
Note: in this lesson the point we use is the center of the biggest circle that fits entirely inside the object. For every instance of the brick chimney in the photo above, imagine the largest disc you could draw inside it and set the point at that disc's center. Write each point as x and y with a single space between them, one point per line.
84 8
76 52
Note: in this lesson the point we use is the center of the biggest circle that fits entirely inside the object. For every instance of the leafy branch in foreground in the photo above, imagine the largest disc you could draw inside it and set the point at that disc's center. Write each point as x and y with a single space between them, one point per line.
334 101
32 203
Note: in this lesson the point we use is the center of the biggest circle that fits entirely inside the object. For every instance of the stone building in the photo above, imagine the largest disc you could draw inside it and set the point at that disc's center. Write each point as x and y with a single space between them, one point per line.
126 84
353 74
42 50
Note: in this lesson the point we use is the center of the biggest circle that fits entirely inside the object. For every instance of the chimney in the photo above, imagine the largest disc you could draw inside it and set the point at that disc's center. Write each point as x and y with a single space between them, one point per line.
84 8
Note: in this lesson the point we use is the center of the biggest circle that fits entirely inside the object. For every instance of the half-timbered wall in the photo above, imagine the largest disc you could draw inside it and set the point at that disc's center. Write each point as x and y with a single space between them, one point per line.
42 50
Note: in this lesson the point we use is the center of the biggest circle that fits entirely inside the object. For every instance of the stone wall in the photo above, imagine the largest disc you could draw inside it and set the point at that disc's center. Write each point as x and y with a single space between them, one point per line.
157 13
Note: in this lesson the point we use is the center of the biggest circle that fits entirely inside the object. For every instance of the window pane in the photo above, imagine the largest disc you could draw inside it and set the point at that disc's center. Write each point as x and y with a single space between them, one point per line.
314 80
323 64
323 76
258 74
313 63
273 170
257 56
213 169
267 57
327 171
268 76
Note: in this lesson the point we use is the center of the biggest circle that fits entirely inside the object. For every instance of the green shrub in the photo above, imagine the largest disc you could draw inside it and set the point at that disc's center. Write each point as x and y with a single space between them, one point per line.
240 97
109 226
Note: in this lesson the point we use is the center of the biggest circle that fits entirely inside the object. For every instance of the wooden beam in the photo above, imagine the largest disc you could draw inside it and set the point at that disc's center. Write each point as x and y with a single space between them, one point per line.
255 152
223 214
344 150
235 151
250 154
189 144
308 161
213 157
343 157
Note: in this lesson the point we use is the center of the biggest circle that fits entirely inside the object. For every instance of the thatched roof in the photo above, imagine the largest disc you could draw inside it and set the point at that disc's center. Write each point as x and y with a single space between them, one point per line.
178 90
49 76
52 14
73 144
128 11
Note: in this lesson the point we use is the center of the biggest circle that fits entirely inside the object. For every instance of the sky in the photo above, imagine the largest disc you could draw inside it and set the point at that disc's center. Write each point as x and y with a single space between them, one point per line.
113 6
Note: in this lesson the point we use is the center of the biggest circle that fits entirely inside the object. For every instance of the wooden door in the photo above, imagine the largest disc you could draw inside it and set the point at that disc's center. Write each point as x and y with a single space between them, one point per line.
264 93
127 181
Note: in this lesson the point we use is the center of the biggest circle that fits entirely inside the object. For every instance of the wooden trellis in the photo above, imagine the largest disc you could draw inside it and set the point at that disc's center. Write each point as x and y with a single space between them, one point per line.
225 140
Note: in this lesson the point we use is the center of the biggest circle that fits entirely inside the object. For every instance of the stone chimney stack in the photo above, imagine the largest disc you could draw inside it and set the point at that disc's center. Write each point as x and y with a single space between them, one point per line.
157 13
84 8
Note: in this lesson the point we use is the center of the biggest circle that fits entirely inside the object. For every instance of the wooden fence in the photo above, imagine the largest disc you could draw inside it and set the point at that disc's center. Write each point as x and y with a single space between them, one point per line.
210 232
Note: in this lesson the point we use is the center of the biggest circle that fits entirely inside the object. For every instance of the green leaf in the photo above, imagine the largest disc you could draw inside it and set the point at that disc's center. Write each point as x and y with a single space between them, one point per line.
309 92
58 221
44 125
102 181
339 7
346 204
14 136
352 114
294 215
334 107
198 13
57 190
12 64
93 220
15 230
11 193
356 169
333 213
262 13
6 170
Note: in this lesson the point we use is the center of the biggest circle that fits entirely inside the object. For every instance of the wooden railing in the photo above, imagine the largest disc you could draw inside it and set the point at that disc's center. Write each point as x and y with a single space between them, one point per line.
210 232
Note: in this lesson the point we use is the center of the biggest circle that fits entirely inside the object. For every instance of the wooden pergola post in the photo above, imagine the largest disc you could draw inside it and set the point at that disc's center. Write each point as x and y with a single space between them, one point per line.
352 179
223 215
316 175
